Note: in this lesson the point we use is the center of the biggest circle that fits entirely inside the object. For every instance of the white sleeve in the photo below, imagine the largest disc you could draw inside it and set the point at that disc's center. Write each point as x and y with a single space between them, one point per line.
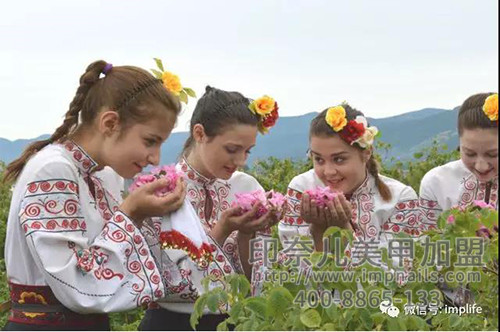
428 203
114 271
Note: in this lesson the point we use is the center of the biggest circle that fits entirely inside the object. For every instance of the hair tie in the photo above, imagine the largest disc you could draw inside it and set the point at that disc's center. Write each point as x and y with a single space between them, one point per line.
107 68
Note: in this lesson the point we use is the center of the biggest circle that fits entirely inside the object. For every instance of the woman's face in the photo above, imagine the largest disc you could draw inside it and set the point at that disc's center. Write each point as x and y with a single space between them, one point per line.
479 152
339 165
138 146
220 156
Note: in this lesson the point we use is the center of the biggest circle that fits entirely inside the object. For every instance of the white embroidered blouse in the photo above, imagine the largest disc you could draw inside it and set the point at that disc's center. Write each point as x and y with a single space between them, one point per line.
65 231
453 185
183 276
375 217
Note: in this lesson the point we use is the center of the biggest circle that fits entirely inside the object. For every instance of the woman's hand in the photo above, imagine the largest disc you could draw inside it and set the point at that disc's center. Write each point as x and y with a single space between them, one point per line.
143 203
245 224
339 212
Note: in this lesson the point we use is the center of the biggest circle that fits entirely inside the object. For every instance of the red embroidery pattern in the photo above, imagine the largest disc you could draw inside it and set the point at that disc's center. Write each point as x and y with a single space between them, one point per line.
362 209
106 207
93 260
292 215
79 156
429 212
474 190
52 205
139 260
406 218
470 193
219 192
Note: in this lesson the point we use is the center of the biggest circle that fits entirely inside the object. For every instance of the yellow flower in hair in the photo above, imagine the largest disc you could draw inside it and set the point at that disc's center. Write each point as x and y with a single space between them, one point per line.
171 82
263 106
490 107
336 118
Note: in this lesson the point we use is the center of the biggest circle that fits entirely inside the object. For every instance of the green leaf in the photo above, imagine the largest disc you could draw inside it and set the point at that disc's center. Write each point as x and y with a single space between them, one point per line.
279 300
379 318
183 97
213 302
222 326
157 73
366 319
332 311
310 318
329 327
258 305
159 64
236 311
239 286
190 92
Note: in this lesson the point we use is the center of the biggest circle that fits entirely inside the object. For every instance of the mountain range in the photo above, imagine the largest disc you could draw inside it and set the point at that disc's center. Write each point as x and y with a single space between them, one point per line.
407 133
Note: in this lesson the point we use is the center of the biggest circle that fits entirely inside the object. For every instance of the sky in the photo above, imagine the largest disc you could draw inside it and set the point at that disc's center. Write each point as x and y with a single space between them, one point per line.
384 57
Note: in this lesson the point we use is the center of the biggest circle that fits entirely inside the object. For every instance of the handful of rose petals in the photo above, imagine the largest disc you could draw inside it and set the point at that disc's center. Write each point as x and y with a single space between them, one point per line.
269 200
167 171
322 195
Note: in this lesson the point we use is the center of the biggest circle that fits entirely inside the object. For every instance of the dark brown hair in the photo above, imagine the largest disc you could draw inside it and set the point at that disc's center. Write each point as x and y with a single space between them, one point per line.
131 91
218 109
471 115
320 128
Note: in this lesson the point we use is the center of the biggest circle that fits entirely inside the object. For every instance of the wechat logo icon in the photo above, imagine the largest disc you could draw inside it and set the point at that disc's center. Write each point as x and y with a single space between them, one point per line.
387 308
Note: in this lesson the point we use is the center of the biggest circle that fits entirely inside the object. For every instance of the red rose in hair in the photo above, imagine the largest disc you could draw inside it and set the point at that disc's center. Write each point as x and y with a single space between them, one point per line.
352 131
270 119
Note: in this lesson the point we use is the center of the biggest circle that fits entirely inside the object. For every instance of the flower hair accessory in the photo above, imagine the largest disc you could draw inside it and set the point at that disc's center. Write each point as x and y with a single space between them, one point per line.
172 82
267 110
490 107
351 131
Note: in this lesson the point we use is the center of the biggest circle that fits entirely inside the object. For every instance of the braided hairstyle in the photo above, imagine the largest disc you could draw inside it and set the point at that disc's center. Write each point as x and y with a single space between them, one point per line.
319 127
218 109
130 91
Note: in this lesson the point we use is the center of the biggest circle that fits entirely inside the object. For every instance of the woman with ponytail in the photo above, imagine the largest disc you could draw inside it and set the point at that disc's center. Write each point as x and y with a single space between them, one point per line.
372 205
74 249
223 130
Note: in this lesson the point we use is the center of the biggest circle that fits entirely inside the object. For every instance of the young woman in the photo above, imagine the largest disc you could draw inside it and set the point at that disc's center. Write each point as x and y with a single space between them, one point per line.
223 130
74 250
475 175
341 147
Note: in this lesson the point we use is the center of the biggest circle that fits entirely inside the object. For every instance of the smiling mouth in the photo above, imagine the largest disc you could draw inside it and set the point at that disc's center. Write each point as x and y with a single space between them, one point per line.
230 169
483 174
334 182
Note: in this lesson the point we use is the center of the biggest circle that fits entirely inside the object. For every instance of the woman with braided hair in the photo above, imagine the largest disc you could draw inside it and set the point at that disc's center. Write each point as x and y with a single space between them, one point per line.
74 249
372 205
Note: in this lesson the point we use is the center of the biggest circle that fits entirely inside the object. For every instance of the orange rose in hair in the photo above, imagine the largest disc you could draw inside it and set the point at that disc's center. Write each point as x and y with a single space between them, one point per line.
263 105
336 118
490 107
171 82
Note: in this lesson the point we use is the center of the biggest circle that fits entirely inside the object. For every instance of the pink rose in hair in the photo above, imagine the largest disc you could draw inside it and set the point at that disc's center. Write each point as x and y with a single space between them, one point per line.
322 195
167 171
